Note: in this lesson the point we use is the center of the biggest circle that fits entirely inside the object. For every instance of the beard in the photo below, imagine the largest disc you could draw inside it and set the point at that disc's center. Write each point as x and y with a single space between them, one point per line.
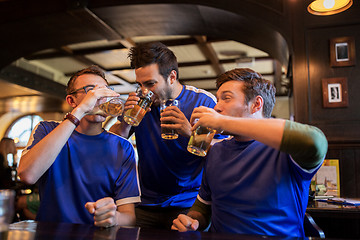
164 94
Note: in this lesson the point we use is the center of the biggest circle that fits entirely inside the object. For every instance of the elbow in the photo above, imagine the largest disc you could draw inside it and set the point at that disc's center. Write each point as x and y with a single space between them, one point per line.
26 177
26 171
317 148
320 144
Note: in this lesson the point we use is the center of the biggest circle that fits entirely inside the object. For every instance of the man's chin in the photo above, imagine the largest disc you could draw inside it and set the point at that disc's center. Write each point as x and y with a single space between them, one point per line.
97 117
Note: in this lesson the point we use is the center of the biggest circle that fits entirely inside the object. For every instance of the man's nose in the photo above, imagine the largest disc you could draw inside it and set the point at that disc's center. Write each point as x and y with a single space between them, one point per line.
217 108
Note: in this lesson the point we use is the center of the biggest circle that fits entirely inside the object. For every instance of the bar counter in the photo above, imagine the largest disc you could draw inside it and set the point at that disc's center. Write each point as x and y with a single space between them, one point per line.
336 220
30 230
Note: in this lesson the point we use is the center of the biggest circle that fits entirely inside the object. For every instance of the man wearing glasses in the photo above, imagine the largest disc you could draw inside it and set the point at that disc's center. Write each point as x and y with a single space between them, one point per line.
88 175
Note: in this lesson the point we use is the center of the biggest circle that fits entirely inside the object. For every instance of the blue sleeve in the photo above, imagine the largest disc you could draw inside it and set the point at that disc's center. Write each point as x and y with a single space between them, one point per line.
205 192
42 129
127 187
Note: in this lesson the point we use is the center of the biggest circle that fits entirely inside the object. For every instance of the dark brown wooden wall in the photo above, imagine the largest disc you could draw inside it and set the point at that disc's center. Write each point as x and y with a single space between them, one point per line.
311 39
349 157
340 124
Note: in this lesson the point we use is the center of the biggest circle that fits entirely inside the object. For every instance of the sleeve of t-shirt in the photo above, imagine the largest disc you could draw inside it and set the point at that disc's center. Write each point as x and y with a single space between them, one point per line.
306 144
38 133
204 194
127 187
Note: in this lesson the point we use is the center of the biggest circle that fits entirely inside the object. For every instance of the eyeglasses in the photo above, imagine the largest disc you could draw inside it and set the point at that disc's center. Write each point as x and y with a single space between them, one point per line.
87 88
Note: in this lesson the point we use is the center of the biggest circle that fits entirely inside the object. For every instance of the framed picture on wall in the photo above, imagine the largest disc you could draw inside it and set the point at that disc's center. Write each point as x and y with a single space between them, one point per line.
342 52
326 182
335 92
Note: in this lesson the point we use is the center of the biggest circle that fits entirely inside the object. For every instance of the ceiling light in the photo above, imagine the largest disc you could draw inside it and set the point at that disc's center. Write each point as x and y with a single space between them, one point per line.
329 7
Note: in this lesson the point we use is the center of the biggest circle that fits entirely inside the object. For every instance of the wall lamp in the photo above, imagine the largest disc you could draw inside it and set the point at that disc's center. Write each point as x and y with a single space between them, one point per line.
328 7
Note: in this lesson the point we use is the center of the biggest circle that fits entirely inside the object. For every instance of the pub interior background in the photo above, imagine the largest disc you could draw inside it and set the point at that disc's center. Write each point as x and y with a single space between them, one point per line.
43 42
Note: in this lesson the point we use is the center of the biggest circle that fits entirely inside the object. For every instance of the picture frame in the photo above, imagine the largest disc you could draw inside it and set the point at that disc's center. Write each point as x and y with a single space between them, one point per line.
326 182
335 92
342 52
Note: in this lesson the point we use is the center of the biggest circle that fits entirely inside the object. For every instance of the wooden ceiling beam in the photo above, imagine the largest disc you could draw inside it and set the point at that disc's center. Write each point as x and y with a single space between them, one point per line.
197 79
127 43
179 42
199 63
84 51
92 21
210 54
33 81
214 77
79 58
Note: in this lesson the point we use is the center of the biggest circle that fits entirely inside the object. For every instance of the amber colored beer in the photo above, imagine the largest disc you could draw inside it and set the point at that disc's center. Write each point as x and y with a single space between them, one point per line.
166 133
135 115
169 134
112 108
200 141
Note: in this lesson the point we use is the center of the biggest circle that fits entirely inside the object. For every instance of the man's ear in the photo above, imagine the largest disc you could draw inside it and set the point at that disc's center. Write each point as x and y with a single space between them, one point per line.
172 77
70 99
257 105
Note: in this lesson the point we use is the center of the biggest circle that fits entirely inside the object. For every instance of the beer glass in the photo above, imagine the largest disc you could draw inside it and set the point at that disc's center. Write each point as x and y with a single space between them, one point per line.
135 115
200 140
167 133
112 106
7 200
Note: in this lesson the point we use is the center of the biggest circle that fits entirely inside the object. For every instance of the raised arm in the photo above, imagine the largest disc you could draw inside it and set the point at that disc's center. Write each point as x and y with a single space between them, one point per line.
306 144
267 131
36 161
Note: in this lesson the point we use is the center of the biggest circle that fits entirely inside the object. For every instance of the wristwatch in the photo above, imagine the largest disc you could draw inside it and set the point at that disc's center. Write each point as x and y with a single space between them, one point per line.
72 119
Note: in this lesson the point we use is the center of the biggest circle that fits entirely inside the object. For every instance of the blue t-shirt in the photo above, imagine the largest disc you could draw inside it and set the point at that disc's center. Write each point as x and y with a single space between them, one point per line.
254 189
87 169
169 175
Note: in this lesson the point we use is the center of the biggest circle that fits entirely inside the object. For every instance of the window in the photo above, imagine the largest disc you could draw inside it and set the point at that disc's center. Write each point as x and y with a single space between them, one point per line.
21 130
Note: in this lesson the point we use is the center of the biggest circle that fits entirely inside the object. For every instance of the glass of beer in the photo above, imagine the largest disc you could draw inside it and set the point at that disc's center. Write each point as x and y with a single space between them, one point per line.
135 115
200 140
112 106
167 133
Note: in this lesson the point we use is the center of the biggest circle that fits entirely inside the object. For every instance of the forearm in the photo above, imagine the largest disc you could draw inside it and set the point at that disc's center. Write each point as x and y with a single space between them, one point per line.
34 163
306 144
200 212
39 158
121 128
125 217
203 223
267 131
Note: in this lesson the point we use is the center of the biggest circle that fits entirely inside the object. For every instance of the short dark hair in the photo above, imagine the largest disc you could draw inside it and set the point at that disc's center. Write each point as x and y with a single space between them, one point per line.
154 52
93 69
254 85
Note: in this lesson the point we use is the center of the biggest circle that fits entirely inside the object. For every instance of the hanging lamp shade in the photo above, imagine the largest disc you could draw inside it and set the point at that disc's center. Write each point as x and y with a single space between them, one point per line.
328 7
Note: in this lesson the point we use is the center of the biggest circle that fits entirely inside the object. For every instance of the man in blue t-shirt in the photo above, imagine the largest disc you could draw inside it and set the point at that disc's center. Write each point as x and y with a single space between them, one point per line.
258 181
169 175
85 174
